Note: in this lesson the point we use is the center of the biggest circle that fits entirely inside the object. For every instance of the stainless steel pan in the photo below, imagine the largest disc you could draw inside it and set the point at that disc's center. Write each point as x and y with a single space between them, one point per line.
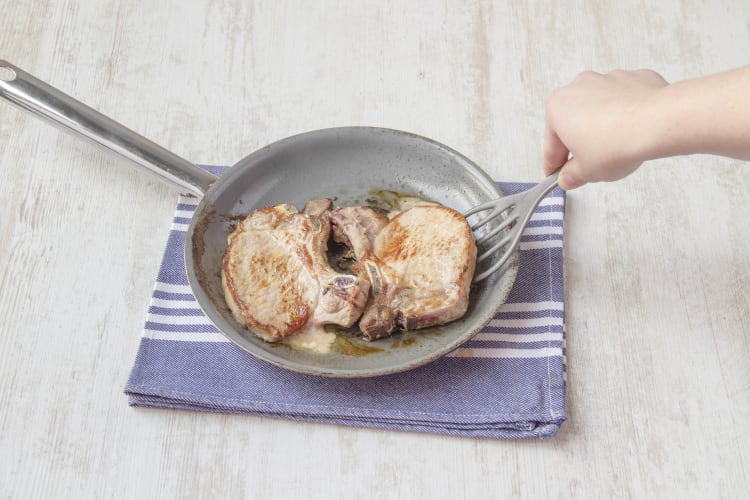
346 163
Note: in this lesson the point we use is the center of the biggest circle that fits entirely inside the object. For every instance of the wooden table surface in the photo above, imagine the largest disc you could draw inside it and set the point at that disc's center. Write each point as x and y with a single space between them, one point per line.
657 267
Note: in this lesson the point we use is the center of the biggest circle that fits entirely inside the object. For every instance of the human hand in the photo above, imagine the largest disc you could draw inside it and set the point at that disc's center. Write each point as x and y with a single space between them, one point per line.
597 127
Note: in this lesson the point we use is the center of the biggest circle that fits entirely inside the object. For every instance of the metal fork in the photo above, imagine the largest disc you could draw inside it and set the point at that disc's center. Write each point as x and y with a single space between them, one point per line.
518 209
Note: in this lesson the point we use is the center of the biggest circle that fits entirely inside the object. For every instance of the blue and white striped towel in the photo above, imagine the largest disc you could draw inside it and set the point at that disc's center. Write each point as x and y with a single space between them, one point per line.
507 382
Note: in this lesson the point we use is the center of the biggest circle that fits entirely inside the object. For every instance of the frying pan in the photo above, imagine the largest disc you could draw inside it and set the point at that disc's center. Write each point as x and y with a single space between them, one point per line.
347 164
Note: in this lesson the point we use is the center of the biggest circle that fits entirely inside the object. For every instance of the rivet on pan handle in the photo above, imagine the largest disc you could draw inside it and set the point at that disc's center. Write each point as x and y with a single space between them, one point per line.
33 95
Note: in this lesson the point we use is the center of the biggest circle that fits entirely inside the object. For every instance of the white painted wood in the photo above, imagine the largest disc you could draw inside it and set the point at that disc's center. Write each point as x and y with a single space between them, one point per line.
657 266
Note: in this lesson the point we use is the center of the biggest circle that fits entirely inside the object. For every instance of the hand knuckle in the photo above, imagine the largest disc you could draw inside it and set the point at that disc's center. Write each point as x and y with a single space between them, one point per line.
583 75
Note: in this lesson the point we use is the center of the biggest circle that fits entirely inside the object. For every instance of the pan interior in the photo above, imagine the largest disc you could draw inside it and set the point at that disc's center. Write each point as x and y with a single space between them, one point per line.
346 164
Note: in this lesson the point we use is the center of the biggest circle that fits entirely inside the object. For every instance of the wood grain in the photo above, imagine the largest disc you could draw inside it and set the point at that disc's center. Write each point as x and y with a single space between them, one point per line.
657 268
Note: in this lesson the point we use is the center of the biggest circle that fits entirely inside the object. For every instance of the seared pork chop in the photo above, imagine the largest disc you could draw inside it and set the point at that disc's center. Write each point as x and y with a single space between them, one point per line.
276 277
420 271
417 263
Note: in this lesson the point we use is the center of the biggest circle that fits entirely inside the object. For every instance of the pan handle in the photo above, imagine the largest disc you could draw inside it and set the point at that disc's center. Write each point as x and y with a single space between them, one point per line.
74 117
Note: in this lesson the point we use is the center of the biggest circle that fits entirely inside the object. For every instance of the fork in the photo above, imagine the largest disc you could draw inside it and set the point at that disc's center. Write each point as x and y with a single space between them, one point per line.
518 209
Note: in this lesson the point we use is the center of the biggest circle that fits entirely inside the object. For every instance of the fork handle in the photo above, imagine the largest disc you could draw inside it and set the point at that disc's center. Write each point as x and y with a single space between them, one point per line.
528 201
534 195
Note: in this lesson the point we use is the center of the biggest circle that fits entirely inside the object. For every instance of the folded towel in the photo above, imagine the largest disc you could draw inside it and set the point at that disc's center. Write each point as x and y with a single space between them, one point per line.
506 382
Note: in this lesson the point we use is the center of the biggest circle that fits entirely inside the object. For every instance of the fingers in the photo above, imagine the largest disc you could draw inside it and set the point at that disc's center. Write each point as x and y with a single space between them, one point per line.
583 117
555 152
651 75
570 175
583 75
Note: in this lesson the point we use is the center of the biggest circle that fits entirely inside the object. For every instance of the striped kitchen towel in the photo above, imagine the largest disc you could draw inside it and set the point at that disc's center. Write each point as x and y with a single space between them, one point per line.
506 382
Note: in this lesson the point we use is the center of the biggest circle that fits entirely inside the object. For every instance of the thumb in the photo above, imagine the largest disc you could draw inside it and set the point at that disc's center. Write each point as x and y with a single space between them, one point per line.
570 175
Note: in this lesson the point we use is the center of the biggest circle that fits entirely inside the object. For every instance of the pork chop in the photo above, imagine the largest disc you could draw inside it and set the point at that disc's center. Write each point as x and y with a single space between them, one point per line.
420 266
276 277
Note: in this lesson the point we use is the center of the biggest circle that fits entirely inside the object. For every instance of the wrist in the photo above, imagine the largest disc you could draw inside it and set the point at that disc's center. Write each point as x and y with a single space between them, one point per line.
707 115
659 129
